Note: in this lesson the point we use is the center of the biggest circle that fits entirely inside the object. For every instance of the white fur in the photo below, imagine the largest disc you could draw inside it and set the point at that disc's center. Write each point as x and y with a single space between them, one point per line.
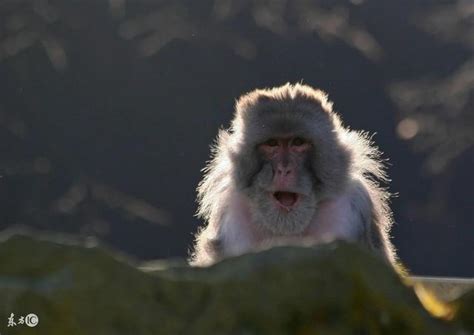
359 212
335 219
237 233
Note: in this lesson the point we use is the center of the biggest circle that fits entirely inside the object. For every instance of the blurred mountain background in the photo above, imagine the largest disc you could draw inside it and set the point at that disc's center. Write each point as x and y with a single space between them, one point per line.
108 108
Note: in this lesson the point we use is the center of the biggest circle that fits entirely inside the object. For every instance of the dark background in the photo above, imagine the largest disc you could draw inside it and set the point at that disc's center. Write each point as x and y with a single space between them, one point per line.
108 108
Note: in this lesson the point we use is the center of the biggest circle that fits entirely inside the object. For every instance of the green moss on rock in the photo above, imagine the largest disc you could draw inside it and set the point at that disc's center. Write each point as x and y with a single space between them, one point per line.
336 288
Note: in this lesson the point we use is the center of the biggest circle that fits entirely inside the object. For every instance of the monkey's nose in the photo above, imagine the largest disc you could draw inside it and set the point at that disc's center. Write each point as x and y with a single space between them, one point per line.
283 171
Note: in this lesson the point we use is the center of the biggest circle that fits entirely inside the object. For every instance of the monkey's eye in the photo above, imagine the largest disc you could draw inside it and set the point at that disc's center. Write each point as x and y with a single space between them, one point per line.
271 142
298 141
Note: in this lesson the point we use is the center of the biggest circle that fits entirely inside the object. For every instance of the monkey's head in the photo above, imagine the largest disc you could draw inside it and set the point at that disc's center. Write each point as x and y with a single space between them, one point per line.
287 156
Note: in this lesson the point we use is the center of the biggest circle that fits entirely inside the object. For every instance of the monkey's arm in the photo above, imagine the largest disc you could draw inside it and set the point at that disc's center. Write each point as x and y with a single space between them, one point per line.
228 233
377 220
207 248
358 215
370 212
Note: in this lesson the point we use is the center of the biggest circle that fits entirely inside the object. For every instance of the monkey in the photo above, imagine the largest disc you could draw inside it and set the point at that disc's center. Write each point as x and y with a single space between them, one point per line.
288 170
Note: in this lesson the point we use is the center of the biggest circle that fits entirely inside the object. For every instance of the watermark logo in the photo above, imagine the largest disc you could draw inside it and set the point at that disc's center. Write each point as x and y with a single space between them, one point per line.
31 320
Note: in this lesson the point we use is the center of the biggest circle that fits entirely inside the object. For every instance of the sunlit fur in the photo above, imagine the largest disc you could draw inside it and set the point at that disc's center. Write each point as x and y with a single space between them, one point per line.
343 199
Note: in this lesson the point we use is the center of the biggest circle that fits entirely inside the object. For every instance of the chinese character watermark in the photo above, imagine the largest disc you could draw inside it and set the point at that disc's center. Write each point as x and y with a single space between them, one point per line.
31 320
11 320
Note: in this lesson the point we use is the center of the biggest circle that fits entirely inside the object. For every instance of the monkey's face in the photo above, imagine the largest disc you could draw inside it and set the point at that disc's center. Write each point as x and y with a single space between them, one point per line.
286 156
282 195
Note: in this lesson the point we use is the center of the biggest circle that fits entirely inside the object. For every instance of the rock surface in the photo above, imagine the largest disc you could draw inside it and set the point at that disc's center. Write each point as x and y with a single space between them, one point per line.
330 289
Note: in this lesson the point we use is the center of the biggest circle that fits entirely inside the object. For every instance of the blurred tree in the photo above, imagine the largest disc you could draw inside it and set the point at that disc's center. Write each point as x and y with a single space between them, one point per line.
100 102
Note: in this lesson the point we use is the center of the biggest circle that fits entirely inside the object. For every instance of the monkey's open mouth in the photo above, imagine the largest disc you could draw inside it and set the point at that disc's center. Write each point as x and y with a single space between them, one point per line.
287 200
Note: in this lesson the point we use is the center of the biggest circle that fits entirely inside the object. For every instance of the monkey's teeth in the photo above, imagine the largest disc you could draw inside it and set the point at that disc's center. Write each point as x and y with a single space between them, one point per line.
286 199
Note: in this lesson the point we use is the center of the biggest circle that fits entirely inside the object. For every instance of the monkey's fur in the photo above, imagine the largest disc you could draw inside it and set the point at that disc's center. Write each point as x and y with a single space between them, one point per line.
337 182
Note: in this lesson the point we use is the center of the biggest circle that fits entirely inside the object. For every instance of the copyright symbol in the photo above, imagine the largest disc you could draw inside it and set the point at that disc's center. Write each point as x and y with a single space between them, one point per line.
31 320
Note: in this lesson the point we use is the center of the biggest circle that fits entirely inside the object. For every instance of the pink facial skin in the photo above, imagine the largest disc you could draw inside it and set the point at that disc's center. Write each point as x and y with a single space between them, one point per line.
285 155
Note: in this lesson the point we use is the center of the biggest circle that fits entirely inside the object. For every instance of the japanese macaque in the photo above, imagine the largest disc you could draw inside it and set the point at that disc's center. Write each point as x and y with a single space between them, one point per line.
287 170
